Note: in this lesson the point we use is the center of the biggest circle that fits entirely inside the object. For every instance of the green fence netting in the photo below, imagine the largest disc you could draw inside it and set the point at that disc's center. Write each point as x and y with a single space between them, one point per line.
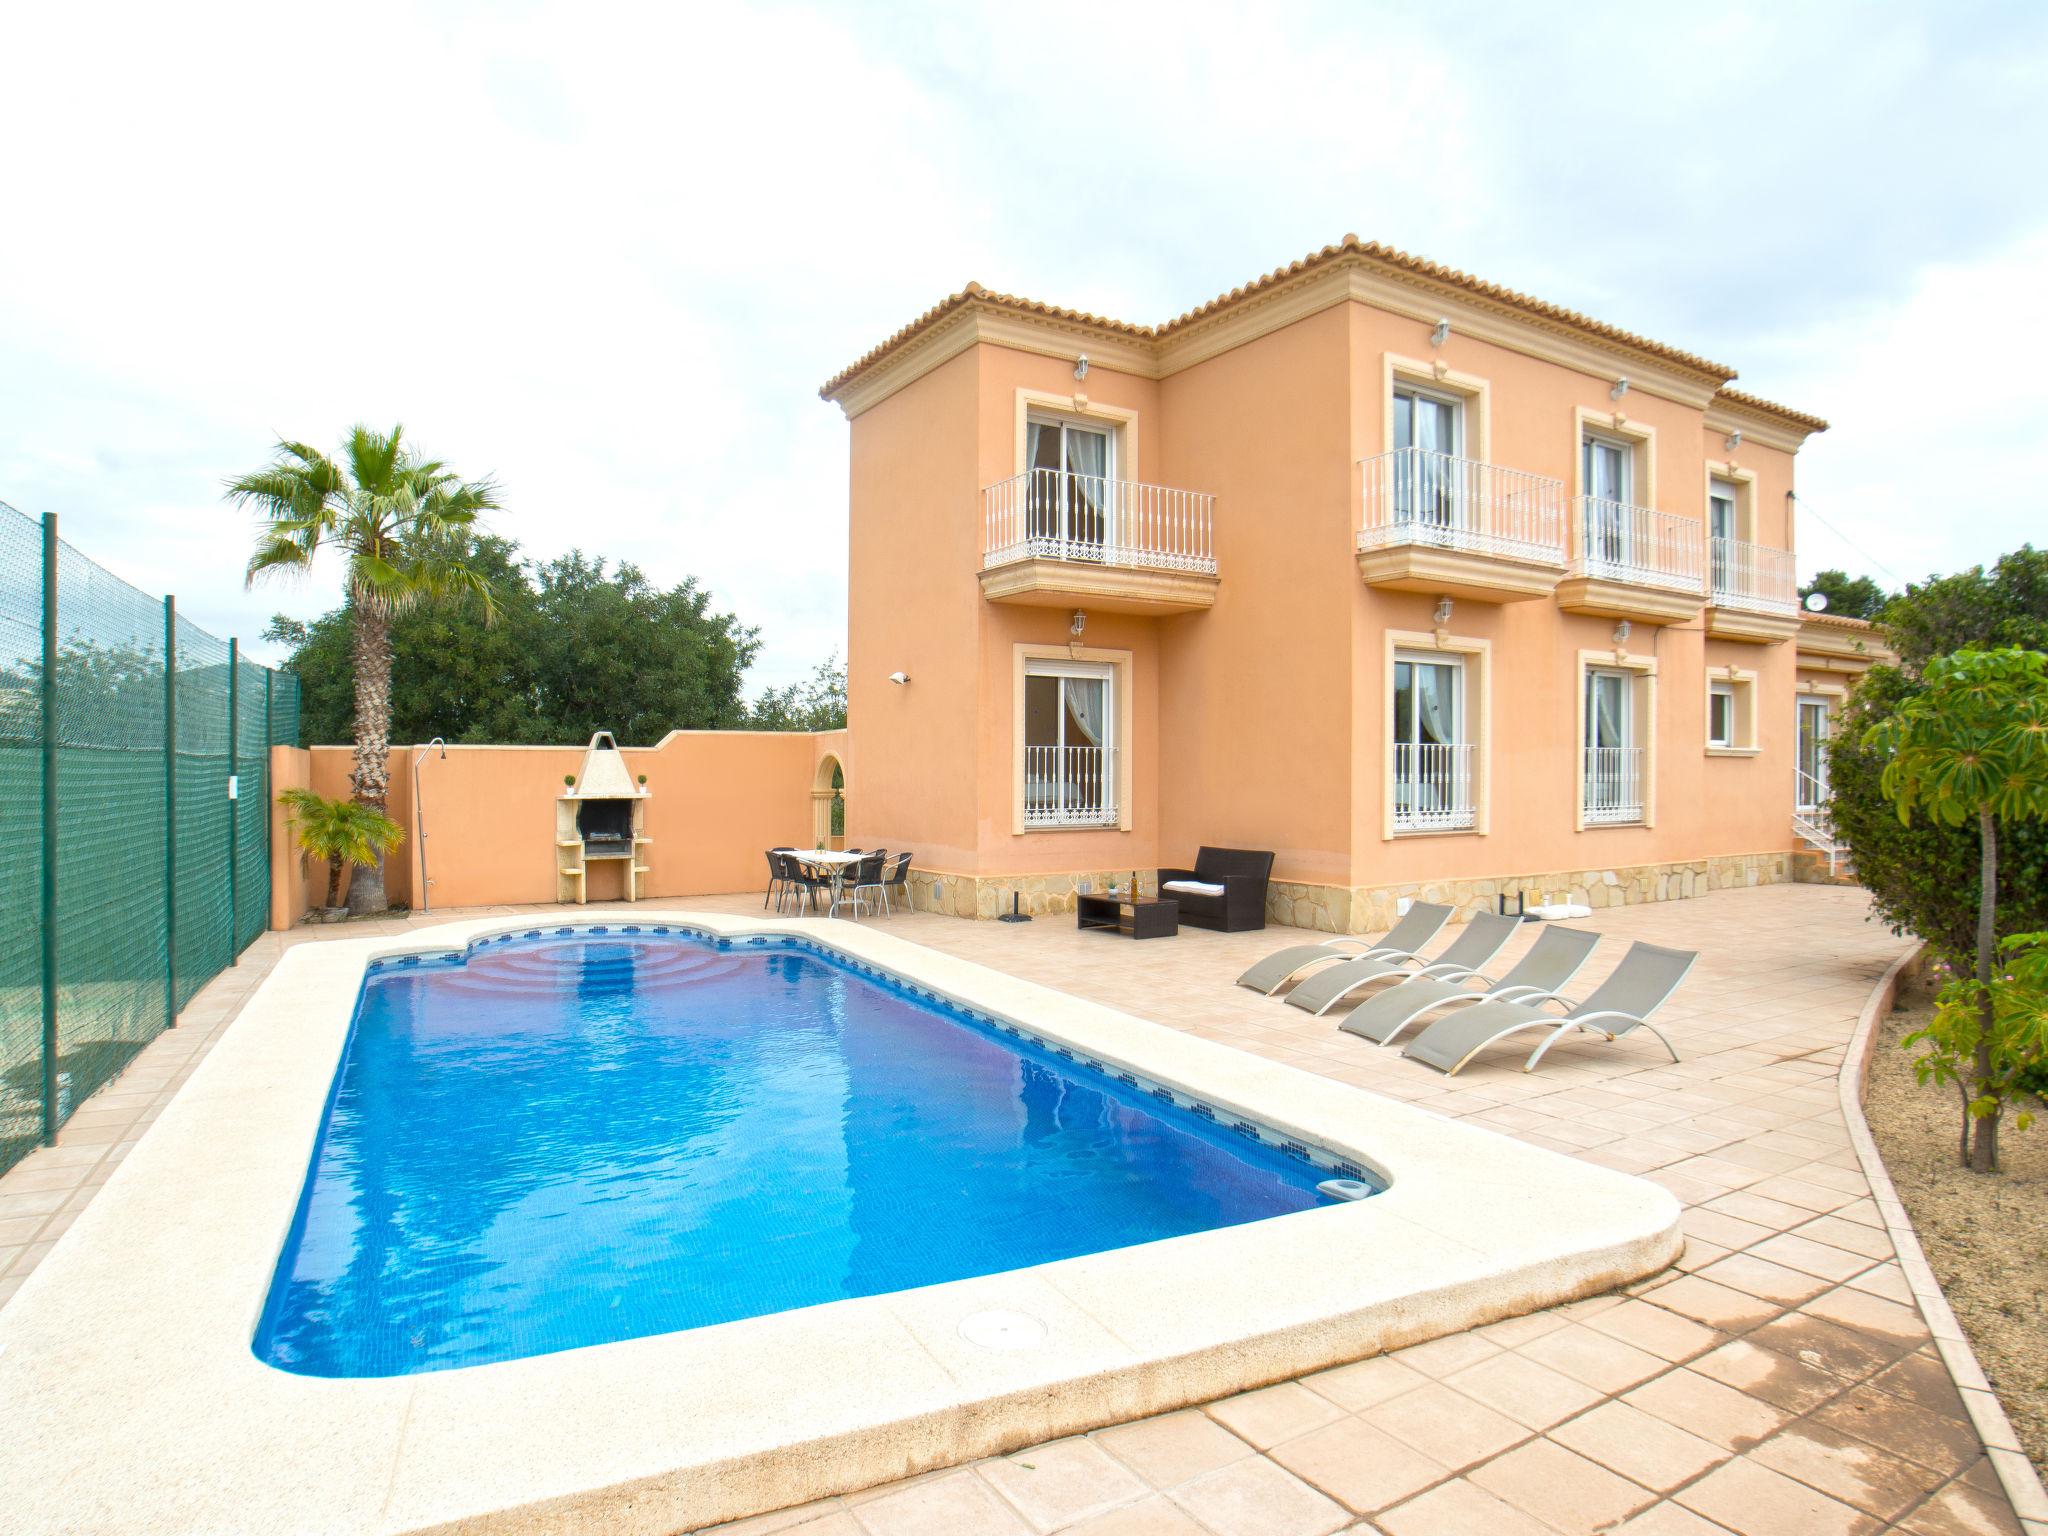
138 745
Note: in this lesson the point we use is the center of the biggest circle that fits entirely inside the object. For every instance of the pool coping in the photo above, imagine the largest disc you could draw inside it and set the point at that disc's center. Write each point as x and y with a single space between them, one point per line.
134 1400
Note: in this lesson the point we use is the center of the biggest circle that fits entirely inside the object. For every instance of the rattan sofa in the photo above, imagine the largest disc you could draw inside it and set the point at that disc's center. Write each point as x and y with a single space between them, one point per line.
1240 905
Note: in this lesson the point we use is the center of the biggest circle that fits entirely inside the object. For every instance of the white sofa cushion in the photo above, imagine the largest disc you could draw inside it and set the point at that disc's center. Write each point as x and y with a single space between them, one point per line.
1193 887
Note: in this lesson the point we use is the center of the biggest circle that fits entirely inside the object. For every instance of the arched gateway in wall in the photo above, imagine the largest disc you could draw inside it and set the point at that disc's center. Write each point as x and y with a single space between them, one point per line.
828 788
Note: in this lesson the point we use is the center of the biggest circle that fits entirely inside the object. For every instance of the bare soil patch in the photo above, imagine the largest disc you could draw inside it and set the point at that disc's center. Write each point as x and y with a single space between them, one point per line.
1986 1237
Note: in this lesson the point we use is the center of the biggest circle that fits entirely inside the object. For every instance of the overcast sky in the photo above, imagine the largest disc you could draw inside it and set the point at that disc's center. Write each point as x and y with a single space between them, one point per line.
607 255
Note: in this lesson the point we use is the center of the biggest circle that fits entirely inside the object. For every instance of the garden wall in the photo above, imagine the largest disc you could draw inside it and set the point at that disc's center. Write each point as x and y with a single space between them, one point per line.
717 800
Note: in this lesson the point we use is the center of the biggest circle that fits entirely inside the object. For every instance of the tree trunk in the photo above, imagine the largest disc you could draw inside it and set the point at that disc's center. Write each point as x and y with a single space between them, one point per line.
1984 1132
370 782
334 883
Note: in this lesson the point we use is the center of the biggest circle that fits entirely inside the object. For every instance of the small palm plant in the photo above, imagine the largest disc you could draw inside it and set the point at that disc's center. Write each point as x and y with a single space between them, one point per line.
1972 748
344 833
403 525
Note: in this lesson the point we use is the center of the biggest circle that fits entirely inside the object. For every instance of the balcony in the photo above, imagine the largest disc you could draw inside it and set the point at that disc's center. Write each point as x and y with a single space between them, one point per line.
1753 592
1450 527
1633 563
1069 787
1433 787
1613 786
1059 540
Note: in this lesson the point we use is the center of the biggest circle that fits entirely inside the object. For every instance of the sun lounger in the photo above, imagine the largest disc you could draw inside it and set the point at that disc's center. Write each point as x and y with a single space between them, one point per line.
1416 928
1646 977
1482 939
1552 961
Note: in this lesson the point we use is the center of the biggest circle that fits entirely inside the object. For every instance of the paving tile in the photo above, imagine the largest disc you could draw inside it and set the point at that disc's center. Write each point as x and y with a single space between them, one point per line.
1752 1500
1259 1498
1361 1467
1638 1445
1717 1306
1816 1341
1357 1386
1154 1516
1273 1414
1561 1488
1704 1407
1593 1358
1871 1315
1173 1447
1792 1384
1446 1425
1526 1390
1669 1519
1452 1352
1943 1444
1761 1278
1961 1510
1460 1509
1852 1470
1061 1482
949 1505
1922 1380
1655 1329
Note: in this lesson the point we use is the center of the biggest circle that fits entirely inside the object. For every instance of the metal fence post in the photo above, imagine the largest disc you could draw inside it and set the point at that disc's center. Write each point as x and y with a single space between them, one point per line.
49 891
234 792
170 812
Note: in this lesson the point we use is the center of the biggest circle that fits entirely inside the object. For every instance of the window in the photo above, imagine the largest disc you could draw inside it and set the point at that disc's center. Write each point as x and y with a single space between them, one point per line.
1432 751
1069 747
1608 474
1428 437
1812 754
1721 715
1613 780
1071 465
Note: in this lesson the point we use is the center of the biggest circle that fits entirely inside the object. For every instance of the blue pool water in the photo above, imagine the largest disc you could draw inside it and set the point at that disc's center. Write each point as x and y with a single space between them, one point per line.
563 1141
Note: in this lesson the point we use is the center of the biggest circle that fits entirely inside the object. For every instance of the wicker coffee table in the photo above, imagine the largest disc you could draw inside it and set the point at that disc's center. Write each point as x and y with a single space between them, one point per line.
1136 918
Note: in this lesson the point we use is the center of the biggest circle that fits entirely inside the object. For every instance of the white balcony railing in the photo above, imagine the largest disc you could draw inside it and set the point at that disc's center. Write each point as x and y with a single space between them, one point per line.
1418 496
1048 514
1640 546
1432 787
1613 785
1069 786
1754 577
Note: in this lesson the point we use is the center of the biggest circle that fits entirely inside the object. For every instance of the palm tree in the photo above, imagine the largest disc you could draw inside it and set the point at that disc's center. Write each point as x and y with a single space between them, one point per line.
339 831
402 524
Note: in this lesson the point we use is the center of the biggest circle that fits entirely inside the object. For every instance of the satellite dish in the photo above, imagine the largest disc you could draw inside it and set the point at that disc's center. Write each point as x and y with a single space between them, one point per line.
1816 602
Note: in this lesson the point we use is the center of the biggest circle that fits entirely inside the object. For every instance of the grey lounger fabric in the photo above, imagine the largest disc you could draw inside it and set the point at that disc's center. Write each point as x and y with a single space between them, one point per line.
1415 929
1553 960
1647 975
1482 939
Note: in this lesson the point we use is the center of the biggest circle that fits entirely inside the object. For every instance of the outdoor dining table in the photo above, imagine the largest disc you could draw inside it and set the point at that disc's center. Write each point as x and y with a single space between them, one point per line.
833 864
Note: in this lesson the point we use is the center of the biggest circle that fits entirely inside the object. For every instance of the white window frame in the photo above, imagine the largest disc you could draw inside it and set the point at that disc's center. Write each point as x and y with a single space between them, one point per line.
1457 762
1639 715
1826 705
1451 399
1721 700
1473 656
1111 778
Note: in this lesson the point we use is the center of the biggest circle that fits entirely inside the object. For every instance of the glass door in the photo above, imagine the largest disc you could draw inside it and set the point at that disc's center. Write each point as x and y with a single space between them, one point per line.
1067 502
1426 481
1432 766
1812 750
1613 787
1068 751
1722 531
1607 471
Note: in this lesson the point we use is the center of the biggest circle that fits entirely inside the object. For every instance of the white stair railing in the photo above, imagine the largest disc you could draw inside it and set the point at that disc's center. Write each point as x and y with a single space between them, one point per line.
1069 786
1613 785
1433 787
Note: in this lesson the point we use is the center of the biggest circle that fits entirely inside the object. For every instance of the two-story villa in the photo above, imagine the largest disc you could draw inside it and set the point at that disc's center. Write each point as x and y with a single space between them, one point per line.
1423 584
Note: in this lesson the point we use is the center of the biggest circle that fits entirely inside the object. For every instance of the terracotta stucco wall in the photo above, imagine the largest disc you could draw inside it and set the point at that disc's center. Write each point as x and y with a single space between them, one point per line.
718 800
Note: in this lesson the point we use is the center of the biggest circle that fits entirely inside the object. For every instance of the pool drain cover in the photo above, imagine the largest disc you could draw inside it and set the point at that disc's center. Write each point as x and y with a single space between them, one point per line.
1003 1330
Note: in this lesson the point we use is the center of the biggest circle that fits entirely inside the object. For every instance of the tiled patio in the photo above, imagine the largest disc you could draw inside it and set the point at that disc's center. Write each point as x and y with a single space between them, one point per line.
1779 1380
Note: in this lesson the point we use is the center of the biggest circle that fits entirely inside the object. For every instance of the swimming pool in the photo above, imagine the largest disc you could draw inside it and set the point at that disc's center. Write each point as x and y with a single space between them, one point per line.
574 1137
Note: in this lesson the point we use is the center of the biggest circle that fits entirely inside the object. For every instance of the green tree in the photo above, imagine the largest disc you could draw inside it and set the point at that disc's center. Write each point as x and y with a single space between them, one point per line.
1852 597
401 523
818 703
1972 746
576 647
343 832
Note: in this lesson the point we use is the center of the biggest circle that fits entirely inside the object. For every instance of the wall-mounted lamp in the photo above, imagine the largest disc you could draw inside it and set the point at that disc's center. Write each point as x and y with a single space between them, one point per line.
1734 440
899 678
1620 389
1081 366
1443 612
1621 632
1079 623
1441 334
